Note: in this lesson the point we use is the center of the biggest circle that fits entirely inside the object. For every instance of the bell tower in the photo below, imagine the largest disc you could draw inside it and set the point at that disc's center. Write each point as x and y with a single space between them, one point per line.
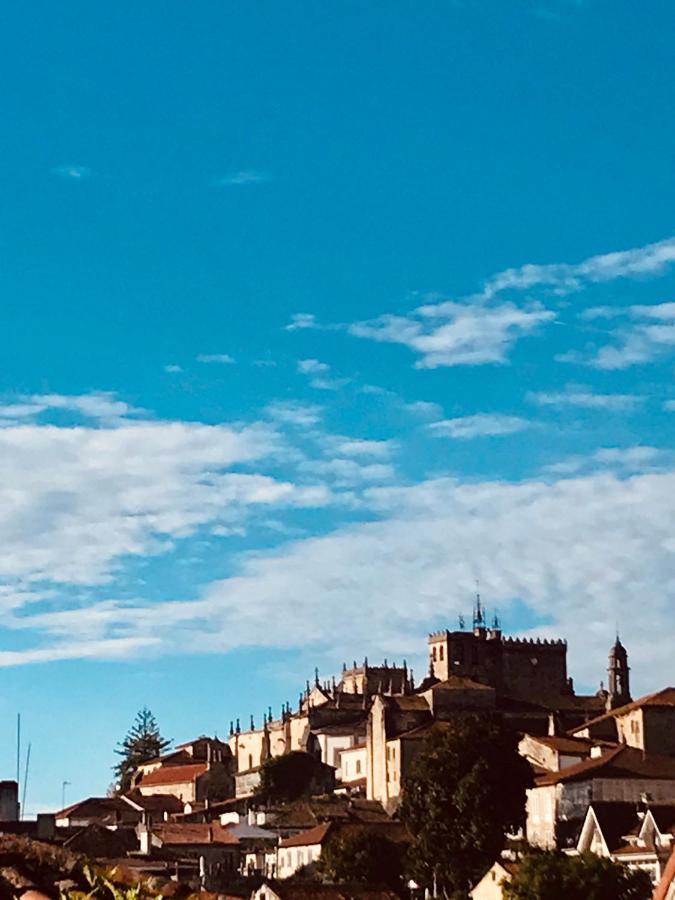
618 676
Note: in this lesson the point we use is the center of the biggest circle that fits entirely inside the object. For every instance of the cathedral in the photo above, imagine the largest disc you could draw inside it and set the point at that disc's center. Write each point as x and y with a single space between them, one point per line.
368 726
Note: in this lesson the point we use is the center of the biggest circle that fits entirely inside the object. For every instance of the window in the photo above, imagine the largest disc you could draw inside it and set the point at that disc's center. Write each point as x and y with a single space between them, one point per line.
250 760
440 652
358 766
433 654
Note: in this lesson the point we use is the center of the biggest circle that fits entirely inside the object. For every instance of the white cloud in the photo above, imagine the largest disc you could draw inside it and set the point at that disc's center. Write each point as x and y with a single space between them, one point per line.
72 171
217 358
644 334
290 412
243 177
586 399
480 425
353 447
669 405
101 405
580 553
456 334
312 367
563 278
75 500
302 321
620 460
173 369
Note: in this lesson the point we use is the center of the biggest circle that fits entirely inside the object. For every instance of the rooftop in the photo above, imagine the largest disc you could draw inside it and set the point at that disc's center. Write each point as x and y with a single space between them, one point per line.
174 774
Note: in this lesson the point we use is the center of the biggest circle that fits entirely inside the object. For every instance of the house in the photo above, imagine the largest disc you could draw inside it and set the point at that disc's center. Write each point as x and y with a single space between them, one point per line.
558 803
274 890
647 724
638 835
111 812
186 782
208 850
490 885
305 848
553 753
353 767
301 849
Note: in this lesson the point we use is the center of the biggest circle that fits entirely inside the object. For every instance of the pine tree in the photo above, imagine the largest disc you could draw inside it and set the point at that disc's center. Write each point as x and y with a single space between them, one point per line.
143 742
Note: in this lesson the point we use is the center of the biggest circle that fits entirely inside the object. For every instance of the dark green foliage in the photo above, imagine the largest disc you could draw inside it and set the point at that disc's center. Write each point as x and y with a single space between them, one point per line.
465 791
142 743
360 856
555 876
288 777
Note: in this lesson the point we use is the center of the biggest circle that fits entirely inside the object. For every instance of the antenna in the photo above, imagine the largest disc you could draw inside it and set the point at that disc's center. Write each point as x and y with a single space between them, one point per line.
25 783
64 785
18 748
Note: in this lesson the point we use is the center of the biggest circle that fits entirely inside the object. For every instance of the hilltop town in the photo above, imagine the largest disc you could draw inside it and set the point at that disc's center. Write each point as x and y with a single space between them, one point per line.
603 770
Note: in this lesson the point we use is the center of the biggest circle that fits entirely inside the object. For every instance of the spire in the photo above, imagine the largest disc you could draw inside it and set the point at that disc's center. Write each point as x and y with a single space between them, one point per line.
316 677
478 613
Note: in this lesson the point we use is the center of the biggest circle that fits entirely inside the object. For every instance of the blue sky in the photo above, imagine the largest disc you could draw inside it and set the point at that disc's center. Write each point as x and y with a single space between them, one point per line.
312 315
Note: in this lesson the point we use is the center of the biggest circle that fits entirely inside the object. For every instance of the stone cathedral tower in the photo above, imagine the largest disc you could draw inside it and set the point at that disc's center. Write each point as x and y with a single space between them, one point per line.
618 676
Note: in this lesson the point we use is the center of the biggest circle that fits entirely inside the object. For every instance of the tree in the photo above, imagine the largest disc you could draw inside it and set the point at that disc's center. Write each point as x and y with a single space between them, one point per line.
466 789
289 777
361 856
143 742
555 876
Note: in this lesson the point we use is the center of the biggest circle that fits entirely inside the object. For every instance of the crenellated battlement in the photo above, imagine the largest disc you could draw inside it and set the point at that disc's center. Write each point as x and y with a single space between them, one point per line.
438 635
538 642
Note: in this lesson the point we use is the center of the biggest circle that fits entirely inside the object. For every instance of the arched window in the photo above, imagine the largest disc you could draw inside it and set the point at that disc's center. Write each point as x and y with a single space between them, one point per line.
433 654
440 652
250 760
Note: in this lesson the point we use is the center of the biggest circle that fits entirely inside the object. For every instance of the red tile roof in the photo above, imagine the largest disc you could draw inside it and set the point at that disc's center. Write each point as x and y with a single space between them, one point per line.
663 698
174 774
308 838
194 833
619 762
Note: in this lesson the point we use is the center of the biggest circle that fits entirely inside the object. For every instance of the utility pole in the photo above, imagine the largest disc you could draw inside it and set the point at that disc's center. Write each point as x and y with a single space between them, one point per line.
64 785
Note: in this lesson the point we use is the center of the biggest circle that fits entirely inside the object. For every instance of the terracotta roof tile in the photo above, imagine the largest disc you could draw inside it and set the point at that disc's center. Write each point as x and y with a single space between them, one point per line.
308 838
194 833
619 762
174 774
663 698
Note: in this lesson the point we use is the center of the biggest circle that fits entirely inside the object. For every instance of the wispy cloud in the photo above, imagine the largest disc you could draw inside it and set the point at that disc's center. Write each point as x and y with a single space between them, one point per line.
72 171
457 334
563 278
243 177
586 399
312 367
394 574
302 321
173 369
318 375
620 460
483 328
216 358
480 425
643 333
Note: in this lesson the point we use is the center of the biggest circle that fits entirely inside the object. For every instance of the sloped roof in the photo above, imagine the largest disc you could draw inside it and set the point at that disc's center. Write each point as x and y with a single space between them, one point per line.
459 682
158 803
615 820
308 838
569 745
194 833
661 699
95 807
174 774
618 762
